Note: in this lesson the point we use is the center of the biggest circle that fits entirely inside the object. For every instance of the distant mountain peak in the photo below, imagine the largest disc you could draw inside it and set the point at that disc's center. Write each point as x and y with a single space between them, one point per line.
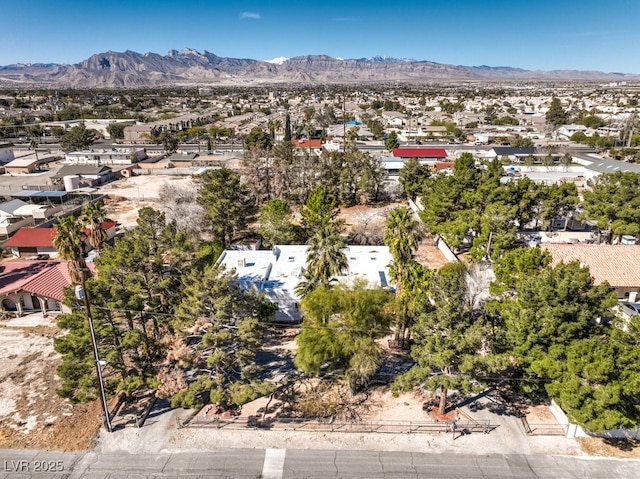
277 60
388 59
184 51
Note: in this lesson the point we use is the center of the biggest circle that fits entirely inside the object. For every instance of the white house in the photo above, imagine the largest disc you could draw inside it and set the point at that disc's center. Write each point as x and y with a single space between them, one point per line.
6 152
566 131
277 272
113 156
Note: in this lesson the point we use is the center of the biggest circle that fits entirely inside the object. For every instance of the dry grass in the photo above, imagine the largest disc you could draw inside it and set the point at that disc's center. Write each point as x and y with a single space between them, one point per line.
620 448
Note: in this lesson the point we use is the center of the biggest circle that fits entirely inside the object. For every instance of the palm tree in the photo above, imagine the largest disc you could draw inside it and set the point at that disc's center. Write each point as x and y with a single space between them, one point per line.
68 242
34 144
93 215
401 235
325 259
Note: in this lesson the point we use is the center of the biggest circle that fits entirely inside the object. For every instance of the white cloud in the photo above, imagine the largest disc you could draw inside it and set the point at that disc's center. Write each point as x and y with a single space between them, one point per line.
253 15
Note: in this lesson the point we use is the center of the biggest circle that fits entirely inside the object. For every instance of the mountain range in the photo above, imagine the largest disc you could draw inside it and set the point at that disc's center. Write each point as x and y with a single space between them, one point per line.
189 67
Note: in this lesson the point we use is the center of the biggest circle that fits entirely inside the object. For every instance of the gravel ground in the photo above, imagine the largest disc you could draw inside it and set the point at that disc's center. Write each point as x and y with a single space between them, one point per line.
160 434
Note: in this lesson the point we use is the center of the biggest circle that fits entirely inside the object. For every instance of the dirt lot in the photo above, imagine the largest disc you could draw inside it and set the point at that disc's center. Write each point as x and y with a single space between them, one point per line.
31 414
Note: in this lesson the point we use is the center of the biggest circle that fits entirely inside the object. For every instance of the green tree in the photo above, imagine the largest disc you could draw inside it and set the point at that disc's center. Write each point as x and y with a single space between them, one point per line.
413 176
116 130
92 217
227 203
613 202
68 242
232 320
556 114
287 129
401 235
77 138
257 138
326 259
546 311
168 140
595 381
319 210
339 332
392 141
276 223
77 368
376 127
447 338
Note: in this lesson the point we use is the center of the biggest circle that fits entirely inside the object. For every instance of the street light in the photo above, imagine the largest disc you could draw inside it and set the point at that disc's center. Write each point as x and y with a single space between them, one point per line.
81 295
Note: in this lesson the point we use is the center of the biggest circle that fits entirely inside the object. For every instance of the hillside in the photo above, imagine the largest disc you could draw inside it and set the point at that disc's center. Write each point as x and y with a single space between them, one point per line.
189 67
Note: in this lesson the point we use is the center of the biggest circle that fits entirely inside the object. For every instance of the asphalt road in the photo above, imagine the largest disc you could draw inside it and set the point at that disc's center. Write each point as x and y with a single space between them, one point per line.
298 464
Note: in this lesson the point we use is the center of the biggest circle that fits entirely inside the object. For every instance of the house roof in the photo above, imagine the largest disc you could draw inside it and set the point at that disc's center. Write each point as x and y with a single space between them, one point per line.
277 272
509 151
29 237
183 156
312 143
616 264
420 152
21 163
443 165
10 206
44 278
86 170
105 226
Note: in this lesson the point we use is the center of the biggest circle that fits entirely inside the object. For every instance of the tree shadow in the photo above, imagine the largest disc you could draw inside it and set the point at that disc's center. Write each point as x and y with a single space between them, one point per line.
622 444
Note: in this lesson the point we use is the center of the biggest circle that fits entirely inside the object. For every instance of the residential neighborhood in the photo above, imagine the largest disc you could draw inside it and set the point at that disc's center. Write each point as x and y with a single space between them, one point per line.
249 255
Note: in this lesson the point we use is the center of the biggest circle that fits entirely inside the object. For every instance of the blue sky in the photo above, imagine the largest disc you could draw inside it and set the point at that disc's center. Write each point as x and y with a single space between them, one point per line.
535 35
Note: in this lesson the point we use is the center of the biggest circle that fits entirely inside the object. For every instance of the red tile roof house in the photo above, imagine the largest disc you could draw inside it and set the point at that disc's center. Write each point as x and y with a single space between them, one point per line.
33 241
619 265
27 287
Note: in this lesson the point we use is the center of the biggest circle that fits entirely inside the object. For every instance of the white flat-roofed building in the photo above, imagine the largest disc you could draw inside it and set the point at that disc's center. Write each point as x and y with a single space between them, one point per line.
112 156
277 272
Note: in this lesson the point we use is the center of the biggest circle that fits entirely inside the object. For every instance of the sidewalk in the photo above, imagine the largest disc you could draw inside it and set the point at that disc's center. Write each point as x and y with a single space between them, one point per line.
161 435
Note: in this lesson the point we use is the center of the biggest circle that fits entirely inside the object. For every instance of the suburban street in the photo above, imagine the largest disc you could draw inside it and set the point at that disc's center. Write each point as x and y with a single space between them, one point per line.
289 464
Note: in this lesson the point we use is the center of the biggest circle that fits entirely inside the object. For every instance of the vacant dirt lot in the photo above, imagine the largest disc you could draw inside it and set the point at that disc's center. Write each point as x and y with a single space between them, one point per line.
31 414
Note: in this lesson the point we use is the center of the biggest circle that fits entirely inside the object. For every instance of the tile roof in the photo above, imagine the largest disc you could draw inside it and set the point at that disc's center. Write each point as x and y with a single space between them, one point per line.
617 264
312 143
45 278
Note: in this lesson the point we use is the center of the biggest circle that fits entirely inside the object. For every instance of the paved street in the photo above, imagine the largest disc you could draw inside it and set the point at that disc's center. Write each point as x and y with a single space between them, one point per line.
298 464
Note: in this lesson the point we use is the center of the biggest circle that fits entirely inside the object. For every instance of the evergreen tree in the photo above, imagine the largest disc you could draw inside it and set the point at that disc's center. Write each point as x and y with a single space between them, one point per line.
448 337
276 223
340 330
287 129
227 204
401 235
556 114
232 323
77 138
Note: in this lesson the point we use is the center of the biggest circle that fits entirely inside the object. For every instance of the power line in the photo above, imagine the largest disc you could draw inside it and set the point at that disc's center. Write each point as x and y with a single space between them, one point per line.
274 326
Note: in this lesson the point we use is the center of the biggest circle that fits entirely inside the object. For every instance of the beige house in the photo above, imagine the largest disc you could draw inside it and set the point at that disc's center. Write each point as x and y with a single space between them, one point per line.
21 166
614 264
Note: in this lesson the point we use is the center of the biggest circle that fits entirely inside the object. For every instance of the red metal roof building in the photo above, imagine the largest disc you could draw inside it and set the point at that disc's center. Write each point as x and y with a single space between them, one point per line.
29 241
436 154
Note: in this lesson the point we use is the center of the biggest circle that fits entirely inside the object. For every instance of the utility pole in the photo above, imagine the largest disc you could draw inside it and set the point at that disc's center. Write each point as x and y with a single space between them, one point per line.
81 294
